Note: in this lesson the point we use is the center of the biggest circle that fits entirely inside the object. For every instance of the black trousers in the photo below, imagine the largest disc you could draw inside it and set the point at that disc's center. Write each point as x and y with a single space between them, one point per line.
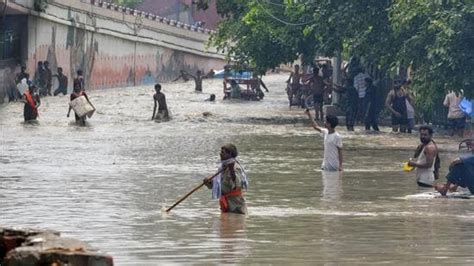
371 120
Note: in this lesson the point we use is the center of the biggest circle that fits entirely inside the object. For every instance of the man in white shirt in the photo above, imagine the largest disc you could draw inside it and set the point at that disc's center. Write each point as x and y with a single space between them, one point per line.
332 143
456 118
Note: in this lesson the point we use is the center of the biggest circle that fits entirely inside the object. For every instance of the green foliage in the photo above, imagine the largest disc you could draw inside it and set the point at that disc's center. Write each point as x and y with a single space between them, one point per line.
434 37
250 36
439 45
128 3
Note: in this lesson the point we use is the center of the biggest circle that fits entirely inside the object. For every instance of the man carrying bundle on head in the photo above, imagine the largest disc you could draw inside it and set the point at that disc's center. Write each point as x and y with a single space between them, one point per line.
228 185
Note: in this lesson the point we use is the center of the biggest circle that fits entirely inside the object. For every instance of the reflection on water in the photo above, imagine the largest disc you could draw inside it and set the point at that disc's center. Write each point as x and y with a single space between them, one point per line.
230 229
332 183
107 183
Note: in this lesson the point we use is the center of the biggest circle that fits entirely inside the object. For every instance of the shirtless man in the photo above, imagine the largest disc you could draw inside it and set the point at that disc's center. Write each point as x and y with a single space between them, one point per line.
160 100
317 89
256 84
425 158
197 80
294 85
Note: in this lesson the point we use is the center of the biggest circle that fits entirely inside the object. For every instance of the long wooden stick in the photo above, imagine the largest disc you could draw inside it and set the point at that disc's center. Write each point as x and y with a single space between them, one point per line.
194 190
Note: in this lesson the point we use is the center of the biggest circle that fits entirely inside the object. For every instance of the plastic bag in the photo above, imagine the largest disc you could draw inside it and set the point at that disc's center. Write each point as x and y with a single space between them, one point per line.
466 107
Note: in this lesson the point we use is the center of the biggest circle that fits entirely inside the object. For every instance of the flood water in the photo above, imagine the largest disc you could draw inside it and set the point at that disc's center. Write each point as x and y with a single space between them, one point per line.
107 184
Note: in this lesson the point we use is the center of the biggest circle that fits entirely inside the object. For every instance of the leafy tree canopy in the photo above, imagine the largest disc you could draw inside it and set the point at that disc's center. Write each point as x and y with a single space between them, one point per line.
434 37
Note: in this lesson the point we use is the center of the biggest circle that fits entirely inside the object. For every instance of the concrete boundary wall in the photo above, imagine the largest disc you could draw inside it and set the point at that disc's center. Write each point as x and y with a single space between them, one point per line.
114 46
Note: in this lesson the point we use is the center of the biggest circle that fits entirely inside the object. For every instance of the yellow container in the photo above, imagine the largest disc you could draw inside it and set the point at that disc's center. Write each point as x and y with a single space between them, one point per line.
407 168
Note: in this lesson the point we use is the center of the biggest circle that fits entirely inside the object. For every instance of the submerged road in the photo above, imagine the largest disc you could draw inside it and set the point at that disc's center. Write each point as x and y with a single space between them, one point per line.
107 183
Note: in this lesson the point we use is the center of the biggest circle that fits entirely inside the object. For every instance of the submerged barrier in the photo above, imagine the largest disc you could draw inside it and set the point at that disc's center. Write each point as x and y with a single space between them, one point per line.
45 247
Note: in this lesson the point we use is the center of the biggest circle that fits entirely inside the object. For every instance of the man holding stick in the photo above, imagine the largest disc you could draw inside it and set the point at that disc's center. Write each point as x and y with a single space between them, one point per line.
228 185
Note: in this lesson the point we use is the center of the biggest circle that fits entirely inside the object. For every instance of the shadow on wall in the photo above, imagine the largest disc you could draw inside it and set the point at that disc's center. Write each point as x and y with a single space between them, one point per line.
170 63
83 49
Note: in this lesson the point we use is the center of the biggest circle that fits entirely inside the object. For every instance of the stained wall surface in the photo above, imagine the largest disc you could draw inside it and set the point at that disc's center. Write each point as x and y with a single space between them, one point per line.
114 46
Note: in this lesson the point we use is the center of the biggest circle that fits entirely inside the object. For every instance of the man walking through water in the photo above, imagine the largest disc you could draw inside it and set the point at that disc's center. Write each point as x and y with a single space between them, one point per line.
160 100
426 159
332 160
197 79
228 185
78 92
294 85
461 173
80 80
317 89
30 111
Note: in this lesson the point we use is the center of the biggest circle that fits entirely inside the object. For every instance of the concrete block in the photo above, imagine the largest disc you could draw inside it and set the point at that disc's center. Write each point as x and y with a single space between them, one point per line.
11 238
37 247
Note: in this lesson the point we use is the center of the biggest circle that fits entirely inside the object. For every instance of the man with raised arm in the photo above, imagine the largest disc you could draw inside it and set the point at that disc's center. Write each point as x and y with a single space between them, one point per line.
332 160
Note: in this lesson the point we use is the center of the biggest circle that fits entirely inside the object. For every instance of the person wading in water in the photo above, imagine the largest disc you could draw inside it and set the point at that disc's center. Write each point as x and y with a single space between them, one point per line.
426 159
396 104
228 186
30 111
78 92
461 173
160 100
332 160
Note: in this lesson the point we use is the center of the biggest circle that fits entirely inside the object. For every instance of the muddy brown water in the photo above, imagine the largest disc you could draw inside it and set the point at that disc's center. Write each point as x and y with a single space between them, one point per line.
107 184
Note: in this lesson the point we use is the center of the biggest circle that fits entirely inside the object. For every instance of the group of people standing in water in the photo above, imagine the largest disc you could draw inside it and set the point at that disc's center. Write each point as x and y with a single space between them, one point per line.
426 159
229 184
39 88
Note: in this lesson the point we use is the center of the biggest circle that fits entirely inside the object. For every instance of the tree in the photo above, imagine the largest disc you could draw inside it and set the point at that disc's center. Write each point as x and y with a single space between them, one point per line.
437 39
434 37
